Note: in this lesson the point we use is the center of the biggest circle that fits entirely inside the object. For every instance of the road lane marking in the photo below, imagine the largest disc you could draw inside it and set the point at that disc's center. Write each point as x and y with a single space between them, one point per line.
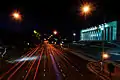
61 70
44 70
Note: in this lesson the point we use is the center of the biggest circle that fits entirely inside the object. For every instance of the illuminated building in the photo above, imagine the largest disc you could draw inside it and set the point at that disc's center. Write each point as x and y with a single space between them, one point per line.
107 31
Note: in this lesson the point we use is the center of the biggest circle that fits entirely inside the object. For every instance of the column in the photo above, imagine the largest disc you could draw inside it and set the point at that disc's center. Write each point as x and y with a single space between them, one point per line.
106 33
90 35
83 36
114 32
110 33
101 35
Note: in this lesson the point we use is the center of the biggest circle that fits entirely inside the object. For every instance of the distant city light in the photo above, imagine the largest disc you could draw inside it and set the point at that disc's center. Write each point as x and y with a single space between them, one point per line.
55 32
61 44
74 34
52 42
105 56
55 43
35 31
28 43
44 38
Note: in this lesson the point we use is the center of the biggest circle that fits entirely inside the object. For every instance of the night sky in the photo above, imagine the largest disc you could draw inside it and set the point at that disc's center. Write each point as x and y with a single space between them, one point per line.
61 15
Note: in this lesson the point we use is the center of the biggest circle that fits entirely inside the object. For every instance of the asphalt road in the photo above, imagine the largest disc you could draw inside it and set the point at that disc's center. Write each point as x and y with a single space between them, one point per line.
47 63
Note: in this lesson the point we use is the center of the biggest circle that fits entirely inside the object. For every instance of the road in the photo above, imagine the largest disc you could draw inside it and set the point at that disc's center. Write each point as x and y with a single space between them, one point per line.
45 62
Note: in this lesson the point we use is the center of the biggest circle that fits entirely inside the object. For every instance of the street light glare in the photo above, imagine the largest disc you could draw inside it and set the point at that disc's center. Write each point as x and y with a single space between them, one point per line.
86 8
105 56
55 32
74 34
16 15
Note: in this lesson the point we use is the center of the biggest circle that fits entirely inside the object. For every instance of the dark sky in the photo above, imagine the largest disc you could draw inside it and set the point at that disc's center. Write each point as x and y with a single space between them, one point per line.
60 15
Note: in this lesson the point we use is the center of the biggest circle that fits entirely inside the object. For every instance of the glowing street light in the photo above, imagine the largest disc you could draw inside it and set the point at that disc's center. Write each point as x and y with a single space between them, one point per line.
61 44
86 9
105 56
28 43
55 32
16 15
74 34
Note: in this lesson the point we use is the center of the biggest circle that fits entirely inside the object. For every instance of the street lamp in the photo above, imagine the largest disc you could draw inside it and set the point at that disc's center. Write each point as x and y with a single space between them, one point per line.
17 16
55 32
86 9
28 43
105 56
74 34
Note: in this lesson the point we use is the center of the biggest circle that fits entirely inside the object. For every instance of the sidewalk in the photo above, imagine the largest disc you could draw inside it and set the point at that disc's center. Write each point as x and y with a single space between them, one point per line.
115 75
94 57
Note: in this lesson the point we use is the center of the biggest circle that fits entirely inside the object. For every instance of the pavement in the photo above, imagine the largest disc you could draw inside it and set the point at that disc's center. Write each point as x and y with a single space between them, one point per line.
46 62
92 68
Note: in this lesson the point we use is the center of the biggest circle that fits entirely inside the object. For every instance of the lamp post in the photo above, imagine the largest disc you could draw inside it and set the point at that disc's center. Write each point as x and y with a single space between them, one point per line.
102 53
74 34
86 9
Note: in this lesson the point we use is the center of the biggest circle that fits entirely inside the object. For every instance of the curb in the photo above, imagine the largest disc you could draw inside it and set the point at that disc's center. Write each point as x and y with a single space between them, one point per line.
90 67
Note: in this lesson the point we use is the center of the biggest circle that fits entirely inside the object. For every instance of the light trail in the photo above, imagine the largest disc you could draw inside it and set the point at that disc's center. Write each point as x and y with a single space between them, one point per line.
13 66
30 69
48 58
38 65
67 59
20 66
55 67
51 57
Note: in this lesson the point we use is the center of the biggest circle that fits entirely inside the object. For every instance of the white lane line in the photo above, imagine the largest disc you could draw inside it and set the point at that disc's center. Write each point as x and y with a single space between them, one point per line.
22 76
72 66
44 70
61 70
25 71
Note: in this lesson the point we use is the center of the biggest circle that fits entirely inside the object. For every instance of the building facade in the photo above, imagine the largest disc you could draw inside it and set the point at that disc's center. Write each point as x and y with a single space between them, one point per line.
107 31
